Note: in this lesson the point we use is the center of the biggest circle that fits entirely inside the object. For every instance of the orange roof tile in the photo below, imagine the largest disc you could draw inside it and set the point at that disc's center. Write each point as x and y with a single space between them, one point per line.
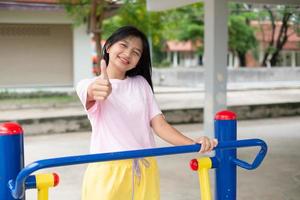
182 45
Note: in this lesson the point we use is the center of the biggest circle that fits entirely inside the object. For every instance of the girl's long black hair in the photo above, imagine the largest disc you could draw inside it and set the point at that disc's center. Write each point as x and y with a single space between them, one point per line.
143 67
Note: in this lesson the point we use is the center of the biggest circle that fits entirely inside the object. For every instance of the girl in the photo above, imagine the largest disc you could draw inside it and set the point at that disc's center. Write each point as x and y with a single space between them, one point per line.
123 111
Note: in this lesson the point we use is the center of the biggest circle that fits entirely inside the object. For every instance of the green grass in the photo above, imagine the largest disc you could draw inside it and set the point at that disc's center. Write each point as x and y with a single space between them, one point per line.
36 98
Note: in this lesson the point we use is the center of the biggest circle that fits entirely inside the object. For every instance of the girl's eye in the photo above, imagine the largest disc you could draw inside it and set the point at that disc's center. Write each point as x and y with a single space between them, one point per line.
136 53
123 45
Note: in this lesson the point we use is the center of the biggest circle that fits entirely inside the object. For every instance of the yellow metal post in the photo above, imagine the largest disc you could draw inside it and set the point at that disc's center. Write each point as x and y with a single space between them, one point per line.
202 165
44 182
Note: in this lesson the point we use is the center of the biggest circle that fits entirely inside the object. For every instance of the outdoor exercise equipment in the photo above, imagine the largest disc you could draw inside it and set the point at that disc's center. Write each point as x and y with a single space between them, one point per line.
15 179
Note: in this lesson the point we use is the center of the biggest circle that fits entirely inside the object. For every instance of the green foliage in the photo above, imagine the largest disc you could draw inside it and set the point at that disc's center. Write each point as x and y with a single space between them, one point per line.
136 14
192 32
186 23
149 22
163 64
241 35
110 25
31 95
10 99
79 11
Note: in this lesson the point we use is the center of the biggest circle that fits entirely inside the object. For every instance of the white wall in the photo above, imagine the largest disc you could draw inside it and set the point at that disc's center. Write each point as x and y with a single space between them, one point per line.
81 43
34 17
82 52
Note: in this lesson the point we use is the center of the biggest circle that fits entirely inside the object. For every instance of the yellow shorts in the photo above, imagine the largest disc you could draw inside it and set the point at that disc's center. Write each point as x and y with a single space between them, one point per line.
133 179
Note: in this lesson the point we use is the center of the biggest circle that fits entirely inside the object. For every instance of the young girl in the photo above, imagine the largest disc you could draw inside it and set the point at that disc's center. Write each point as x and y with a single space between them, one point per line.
123 112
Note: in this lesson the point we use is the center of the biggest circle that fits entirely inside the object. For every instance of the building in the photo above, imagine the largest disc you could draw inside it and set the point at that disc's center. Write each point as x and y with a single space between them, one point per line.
40 46
290 54
184 53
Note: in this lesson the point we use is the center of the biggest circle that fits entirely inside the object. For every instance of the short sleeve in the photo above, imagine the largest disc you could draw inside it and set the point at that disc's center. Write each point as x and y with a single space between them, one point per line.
81 89
153 107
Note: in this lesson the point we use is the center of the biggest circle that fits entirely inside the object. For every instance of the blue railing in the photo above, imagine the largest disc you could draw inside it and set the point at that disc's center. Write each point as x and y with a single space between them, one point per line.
17 187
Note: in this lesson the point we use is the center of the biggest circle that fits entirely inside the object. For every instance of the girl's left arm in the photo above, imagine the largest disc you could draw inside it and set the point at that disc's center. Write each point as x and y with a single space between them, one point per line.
168 133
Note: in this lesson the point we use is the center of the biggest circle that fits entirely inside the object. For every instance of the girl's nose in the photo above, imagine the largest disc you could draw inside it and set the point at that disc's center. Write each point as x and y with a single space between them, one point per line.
126 53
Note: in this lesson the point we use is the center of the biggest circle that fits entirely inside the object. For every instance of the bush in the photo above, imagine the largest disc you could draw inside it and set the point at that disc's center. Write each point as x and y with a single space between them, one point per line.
163 64
31 95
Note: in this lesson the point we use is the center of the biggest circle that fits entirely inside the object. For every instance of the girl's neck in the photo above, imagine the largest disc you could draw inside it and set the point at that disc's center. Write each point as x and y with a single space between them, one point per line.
115 74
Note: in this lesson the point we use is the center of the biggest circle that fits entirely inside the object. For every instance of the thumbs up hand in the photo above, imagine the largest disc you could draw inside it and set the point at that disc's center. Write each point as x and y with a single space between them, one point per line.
101 88
103 74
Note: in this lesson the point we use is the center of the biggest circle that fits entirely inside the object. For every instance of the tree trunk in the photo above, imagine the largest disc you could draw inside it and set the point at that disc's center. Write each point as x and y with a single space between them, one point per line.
264 61
96 20
271 43
242 59
274 58
280 40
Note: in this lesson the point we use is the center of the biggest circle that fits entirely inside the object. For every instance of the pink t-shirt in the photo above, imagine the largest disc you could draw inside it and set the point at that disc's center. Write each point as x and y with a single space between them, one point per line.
122 121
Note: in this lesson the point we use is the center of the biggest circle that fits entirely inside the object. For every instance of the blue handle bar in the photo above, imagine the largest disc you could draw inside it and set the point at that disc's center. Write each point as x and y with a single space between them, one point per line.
18 187
246 143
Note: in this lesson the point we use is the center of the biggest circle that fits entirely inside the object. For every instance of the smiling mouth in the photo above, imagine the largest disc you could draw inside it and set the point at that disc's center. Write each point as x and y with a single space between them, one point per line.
124 61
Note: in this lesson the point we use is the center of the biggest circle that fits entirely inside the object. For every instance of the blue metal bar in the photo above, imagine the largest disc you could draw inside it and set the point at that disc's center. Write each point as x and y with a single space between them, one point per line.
17 187
226 173
30 182
247 143
11 156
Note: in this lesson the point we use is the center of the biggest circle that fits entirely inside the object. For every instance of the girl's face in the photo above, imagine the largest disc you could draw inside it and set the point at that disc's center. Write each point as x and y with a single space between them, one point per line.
125 54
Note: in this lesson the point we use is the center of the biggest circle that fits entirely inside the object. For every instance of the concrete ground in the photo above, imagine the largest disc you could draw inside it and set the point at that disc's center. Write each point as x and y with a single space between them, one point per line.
278 178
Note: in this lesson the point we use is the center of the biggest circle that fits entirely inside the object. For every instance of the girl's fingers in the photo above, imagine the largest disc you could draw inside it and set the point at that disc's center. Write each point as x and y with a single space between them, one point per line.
100 95
200 141
99 98
215 142
102 88
212 145
99 82
203 146
207 145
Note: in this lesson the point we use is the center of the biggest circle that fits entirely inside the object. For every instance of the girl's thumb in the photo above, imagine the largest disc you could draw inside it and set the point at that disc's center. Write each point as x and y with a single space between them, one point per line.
103 70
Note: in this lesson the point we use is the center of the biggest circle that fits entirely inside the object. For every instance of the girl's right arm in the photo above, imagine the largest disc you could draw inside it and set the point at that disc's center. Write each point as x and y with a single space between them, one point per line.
90 101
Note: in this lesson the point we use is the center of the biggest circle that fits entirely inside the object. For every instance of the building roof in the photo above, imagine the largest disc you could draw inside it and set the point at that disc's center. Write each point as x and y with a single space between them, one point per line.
182 46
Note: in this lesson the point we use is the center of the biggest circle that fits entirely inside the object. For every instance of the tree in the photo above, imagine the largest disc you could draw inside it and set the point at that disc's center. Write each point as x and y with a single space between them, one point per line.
284 22
105 16
185 23
92 12
241 37
136 14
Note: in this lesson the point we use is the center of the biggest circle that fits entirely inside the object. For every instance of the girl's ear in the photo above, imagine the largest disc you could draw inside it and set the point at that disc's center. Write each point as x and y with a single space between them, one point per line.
107 50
